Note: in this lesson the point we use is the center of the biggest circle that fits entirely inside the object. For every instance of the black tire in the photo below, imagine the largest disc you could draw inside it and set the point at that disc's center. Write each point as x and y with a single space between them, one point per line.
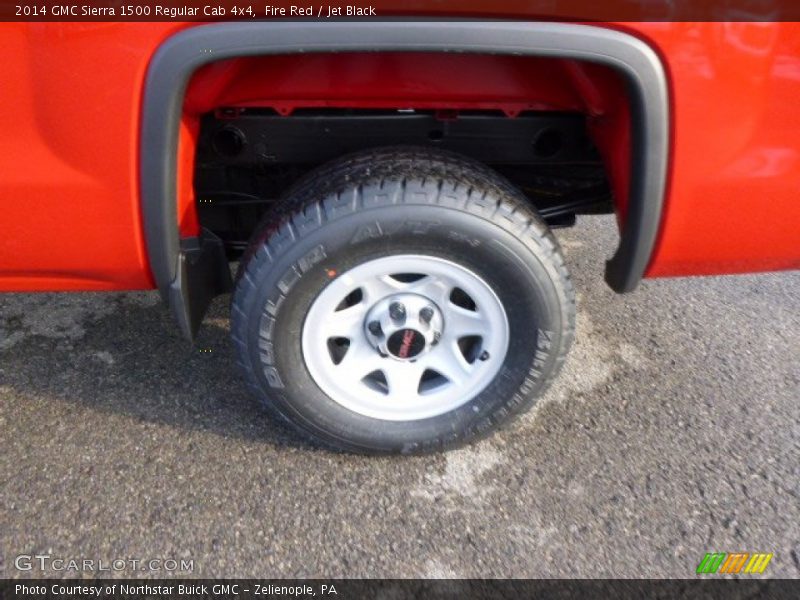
379 203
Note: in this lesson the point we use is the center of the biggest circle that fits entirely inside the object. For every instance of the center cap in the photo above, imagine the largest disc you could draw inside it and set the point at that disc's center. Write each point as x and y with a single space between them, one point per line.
403 326
405 343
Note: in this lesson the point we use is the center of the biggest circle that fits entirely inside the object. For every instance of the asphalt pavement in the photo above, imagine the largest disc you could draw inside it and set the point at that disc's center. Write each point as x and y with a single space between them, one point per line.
674 430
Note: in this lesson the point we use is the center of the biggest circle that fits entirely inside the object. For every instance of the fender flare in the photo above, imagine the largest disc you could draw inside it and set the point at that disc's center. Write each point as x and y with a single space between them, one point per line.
190 272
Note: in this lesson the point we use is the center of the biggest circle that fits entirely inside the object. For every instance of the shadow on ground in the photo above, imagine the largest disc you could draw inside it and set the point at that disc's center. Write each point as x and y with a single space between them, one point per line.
128 358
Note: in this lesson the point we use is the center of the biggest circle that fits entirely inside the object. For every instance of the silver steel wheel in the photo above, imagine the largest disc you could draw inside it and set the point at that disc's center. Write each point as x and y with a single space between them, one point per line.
405 337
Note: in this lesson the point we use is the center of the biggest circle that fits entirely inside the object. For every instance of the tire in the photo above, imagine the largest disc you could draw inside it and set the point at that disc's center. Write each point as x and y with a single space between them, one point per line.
412 212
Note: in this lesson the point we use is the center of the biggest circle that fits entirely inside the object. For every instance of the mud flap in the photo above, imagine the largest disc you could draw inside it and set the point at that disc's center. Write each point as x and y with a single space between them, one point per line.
203 273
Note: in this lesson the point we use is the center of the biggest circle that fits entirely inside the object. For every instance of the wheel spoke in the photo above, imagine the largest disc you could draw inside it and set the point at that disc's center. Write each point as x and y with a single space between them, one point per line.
347 323
448 361
359 361
434 288
460 322
403 380
376 288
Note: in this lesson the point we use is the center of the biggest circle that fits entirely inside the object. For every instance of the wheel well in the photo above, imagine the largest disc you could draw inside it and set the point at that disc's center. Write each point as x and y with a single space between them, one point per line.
613 80
557 128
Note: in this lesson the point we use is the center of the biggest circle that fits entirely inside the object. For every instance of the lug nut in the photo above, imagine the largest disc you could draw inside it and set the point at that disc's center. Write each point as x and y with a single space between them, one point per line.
484 355
375 328
426 314
397 311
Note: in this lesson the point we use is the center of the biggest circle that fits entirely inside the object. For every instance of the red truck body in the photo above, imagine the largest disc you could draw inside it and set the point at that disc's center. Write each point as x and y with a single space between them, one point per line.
72 97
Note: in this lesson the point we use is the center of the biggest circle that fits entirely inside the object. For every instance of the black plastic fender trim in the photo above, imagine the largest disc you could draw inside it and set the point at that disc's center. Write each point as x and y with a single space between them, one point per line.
181 55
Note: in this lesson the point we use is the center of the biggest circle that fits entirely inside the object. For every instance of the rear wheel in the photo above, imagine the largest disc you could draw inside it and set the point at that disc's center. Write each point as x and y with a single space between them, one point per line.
401 300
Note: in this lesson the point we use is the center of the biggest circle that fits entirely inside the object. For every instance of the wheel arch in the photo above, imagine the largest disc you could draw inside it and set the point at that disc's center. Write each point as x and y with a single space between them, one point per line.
190 272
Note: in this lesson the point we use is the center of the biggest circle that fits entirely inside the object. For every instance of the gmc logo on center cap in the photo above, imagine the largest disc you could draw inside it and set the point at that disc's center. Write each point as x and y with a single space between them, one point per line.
405 346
